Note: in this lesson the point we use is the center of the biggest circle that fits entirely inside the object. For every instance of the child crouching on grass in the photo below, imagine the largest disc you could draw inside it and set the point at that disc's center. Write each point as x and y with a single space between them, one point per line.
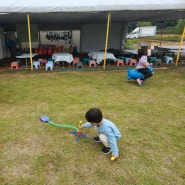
107 131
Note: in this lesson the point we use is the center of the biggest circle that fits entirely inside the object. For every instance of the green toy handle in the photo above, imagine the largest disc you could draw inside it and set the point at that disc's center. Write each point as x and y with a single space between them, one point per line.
62 125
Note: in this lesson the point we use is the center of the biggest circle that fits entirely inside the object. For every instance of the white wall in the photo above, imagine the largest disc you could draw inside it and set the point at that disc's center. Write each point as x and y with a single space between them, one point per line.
44 41
26 44
75 39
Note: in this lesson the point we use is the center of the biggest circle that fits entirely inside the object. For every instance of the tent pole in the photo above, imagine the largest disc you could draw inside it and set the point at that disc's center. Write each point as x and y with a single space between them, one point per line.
107 37
180 45
29 36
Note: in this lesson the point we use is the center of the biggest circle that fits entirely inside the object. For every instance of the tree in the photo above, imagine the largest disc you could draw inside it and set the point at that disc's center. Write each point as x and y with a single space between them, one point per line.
131 26
180 26
139 24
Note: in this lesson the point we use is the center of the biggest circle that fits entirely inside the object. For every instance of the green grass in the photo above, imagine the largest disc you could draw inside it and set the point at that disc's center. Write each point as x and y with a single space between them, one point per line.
167 39
151 119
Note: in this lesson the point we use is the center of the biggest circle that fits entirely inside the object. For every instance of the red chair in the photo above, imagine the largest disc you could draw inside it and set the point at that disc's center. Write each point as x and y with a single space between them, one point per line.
44 51
75 60
40 51
61 48
36 50
55 50
49 52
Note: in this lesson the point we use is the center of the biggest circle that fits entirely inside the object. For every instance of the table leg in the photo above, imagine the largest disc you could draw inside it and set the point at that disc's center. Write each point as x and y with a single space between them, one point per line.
26 64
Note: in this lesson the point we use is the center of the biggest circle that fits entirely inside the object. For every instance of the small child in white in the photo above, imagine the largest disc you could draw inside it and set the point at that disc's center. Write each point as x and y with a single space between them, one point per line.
107 131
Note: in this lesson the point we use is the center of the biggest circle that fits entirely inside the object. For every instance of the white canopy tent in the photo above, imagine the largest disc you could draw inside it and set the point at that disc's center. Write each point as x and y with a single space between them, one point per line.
60 14
82 14
43 6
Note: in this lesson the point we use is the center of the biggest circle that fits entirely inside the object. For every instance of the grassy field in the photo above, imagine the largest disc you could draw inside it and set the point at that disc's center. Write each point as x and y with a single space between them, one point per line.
151 119
158 40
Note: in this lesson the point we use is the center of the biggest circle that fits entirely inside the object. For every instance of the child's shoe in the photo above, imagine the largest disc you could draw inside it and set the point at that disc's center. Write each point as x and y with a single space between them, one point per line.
140 82
97 139
106 150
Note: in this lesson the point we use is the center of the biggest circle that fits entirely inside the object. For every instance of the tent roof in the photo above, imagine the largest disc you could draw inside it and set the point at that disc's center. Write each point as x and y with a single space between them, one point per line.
88 6
60 14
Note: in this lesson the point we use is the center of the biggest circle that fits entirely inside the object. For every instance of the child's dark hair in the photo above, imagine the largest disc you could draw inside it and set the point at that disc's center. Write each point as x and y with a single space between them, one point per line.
142 51
94 115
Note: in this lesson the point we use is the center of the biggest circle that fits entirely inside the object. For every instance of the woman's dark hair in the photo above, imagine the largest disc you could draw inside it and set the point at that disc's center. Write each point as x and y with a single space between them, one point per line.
141 53
94 115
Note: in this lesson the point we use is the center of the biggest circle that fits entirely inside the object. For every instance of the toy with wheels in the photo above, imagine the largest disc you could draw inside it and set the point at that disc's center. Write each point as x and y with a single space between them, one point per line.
134 74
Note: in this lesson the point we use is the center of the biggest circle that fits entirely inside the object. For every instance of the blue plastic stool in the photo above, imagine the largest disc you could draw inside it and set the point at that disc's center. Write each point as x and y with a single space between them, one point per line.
86 60
151 59
79 65
36 64
110 60
158 62
49 65
168 59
